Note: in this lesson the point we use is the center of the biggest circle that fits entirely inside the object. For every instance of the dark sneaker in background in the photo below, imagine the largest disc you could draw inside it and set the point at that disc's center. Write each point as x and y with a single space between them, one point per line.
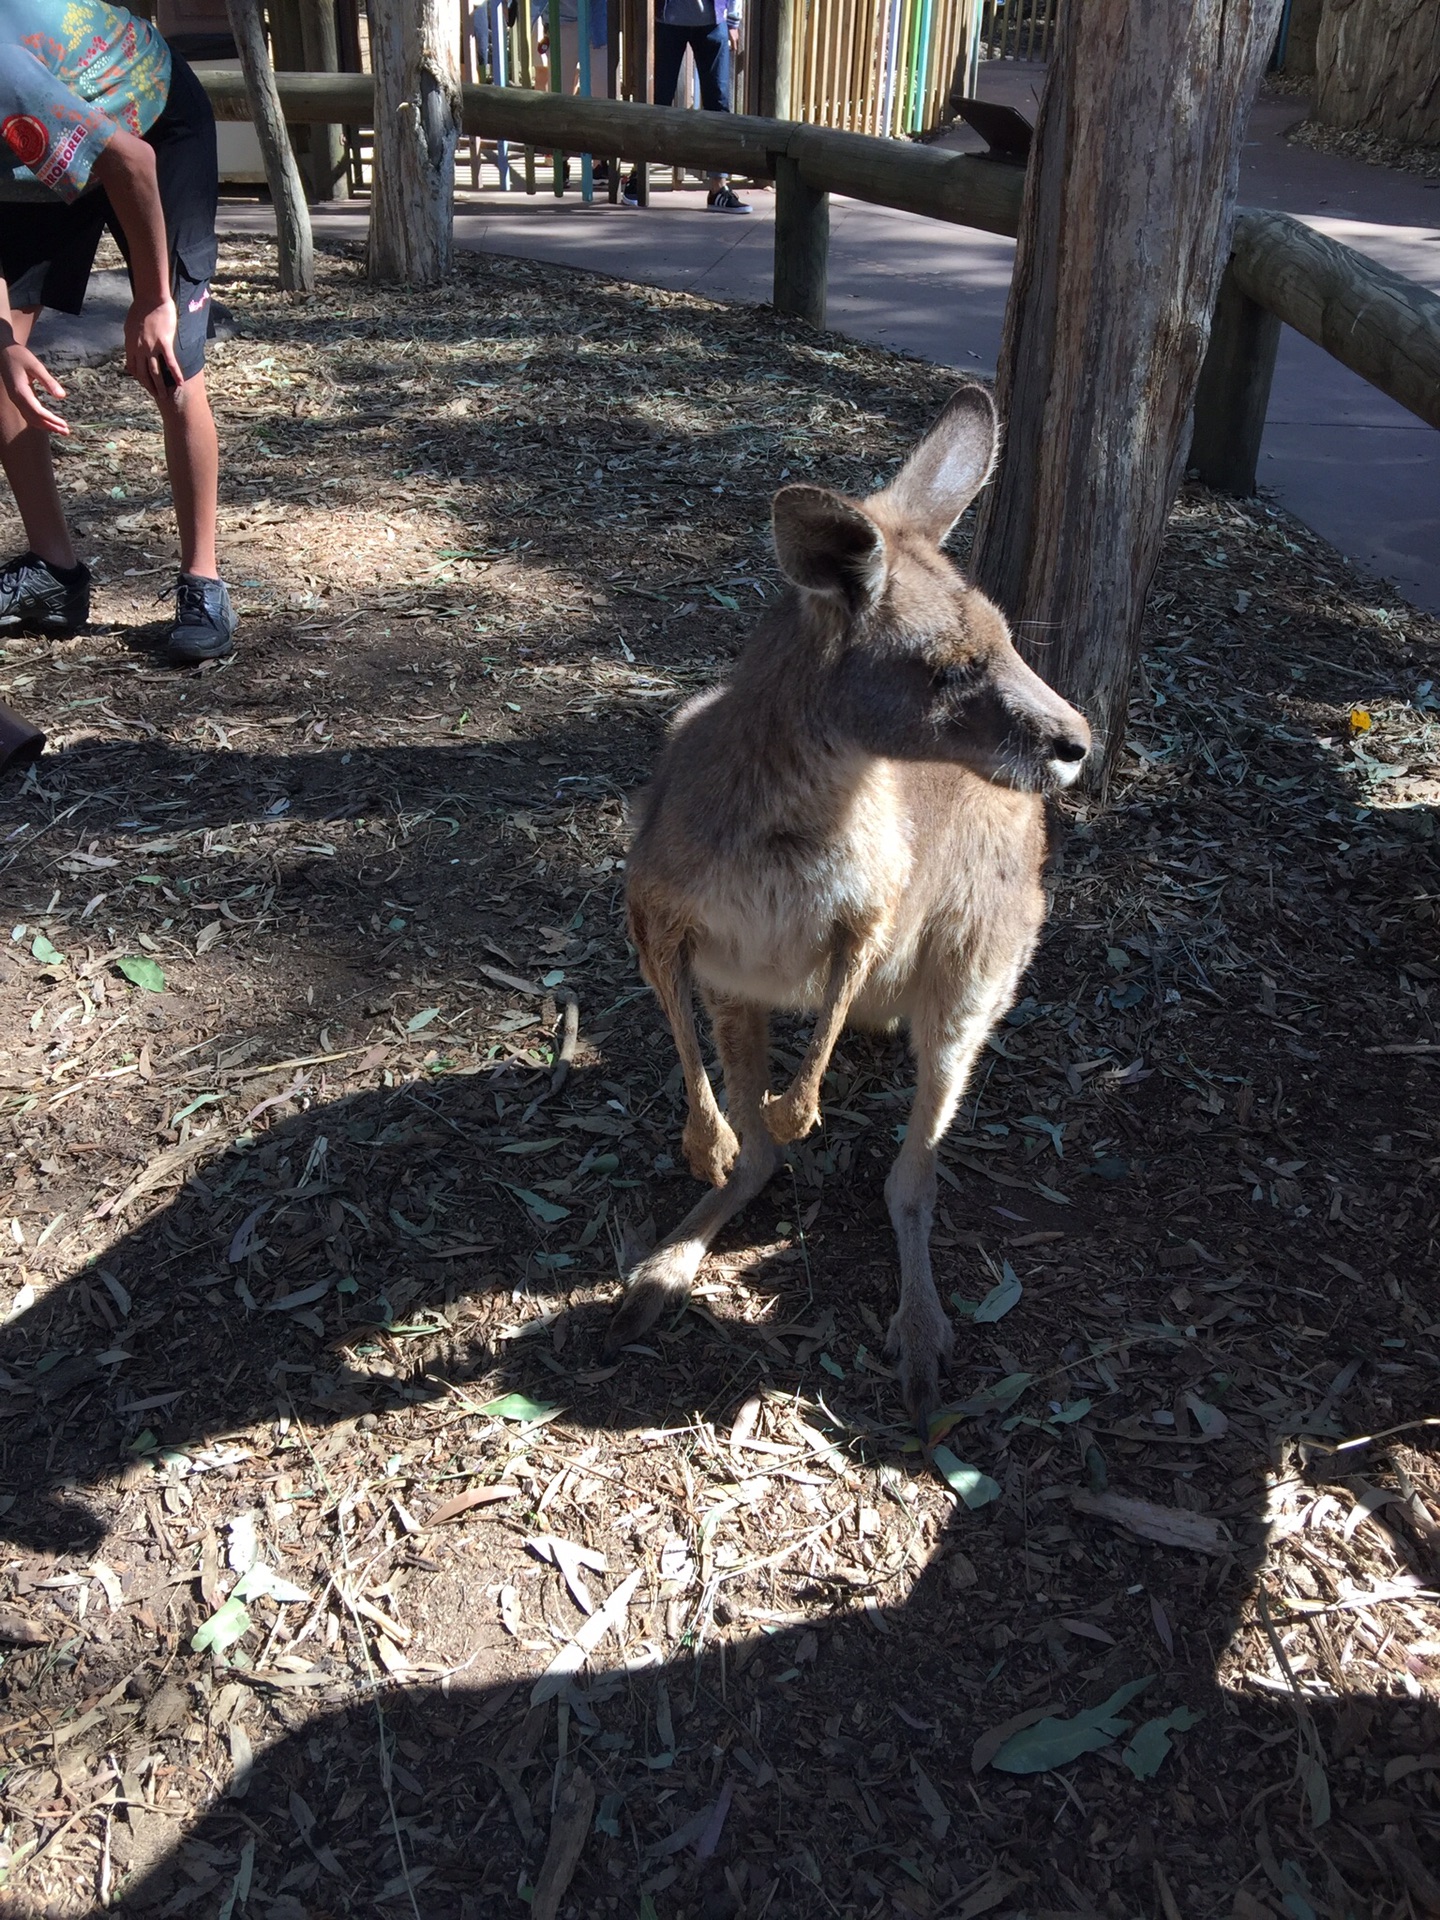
38 598
205 621
722 200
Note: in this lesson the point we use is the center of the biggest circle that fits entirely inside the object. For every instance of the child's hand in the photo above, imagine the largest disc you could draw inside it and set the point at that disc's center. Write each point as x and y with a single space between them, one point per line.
150 347
20 374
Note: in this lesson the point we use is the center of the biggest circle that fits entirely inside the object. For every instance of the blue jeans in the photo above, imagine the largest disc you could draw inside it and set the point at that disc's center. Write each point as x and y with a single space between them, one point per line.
711 47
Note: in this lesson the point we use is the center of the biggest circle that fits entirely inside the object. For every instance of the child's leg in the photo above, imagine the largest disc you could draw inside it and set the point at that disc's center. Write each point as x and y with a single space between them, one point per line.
25 456
192 456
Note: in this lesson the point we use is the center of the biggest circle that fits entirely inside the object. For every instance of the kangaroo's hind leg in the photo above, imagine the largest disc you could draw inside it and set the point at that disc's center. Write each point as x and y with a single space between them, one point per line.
920 1334
664 1277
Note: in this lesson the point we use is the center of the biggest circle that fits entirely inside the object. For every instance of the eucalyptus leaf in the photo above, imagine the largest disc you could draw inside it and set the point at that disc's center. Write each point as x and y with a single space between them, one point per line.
975 1488
1001 1297
263 1583
545 1210
1146 1753
225 1626
519 1406
142 973
1055 1743
46 954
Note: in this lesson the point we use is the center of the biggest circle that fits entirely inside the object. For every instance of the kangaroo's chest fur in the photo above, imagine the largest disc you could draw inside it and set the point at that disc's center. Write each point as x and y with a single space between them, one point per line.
775 863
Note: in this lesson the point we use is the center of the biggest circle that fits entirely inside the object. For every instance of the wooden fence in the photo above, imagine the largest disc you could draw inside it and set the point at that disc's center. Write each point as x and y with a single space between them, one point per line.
882 67
1383 327
1019 29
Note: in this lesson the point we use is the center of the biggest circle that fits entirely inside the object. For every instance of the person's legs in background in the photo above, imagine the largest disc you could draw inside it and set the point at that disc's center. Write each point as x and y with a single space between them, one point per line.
711 47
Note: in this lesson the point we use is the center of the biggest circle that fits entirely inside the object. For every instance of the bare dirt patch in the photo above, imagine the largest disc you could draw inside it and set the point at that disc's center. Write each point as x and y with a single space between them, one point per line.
308 1244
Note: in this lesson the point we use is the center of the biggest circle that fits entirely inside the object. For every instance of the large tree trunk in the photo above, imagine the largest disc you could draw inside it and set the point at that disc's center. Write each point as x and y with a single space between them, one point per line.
292 216
1377 66
1124 234
415 53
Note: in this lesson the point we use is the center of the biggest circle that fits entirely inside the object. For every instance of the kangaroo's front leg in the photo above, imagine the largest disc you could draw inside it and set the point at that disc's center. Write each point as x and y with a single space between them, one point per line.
791 1115
664 948
920 1335
664 1277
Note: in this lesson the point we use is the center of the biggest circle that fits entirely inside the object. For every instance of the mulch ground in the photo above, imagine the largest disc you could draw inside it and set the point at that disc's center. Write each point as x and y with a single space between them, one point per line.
333 1106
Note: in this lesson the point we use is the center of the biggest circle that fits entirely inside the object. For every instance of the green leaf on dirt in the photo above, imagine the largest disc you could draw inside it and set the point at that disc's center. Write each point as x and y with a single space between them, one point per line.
831 1366
1001 1297
532 1146
46 954
1071 1411
142 973
555 978
989 1400
519 1406
975 1488
545 1210
1055 1743
144 1442
224 1627
419 1020
1146 1752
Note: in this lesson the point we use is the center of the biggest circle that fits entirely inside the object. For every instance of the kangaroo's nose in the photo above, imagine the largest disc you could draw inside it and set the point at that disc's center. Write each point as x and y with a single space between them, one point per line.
1069 747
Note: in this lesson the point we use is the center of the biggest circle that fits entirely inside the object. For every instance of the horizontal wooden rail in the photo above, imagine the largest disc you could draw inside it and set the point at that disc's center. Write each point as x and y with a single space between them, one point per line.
944 186
1383 327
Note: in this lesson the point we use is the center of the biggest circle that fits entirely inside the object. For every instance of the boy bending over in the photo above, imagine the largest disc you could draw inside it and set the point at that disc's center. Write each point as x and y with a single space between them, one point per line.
96 107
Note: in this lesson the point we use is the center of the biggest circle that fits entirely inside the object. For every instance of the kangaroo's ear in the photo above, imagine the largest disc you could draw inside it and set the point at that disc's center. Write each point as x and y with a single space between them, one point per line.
948 468
828 544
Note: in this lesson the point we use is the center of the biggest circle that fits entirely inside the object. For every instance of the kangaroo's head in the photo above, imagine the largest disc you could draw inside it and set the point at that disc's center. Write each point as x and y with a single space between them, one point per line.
919 664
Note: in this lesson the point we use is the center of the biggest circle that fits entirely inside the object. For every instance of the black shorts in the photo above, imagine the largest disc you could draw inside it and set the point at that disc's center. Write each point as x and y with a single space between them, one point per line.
47 251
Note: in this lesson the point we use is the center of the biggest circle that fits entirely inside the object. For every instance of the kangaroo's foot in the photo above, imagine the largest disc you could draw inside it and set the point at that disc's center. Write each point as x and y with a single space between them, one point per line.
659 1283
922 1340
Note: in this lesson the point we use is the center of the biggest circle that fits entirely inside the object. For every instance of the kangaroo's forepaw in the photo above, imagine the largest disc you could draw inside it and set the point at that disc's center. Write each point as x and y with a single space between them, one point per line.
710 1149
790 1116
922 1340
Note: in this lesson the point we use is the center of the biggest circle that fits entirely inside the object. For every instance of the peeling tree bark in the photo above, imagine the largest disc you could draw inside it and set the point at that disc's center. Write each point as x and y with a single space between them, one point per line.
415 55
287 192
1124 234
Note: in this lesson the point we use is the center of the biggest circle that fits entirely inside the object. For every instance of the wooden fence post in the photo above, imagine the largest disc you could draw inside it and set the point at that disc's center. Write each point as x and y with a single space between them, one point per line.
1099 362
774 29
802 244
287 192
322 55
1233 392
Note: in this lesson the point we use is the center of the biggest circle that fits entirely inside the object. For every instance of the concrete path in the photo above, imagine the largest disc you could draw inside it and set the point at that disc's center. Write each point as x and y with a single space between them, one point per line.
1352 464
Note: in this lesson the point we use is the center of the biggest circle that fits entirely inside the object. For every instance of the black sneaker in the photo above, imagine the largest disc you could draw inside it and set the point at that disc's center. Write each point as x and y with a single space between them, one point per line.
630 189
205 621
35 598
722 200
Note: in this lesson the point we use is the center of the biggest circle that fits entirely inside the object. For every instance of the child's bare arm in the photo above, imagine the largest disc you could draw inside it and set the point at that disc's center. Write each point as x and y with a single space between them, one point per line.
21 373
126 170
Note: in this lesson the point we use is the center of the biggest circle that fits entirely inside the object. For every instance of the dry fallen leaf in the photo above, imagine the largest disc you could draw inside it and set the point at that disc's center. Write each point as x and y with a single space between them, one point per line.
467 1502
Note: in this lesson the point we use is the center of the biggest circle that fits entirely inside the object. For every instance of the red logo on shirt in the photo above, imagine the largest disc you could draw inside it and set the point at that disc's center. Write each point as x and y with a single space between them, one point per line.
25 138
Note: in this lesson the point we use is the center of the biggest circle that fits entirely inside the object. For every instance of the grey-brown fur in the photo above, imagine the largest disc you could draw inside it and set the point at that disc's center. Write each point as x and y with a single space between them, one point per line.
853 825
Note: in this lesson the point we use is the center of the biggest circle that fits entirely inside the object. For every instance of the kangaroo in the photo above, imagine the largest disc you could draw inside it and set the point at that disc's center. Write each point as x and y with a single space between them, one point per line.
853 825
